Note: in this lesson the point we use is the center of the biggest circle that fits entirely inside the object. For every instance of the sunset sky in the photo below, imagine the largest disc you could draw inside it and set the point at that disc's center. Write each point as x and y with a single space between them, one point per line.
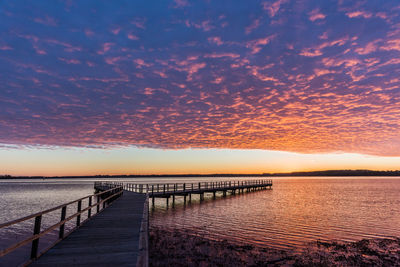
140 87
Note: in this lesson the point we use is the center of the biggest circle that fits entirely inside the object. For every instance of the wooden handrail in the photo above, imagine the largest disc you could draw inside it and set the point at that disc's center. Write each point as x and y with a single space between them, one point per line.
183 187
49 210
116 190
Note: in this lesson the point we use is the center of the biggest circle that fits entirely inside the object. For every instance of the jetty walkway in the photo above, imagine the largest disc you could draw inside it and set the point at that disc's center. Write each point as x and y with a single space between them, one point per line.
168 191
112 238
112 228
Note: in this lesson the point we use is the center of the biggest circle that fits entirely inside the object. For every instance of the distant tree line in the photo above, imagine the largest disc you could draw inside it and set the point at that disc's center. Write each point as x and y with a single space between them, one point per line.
293 174
339 173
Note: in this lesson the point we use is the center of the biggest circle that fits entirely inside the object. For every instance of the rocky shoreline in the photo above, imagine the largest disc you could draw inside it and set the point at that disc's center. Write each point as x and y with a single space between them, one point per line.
172 247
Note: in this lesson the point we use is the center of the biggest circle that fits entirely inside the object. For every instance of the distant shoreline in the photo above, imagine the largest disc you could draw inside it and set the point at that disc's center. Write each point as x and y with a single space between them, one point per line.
332 173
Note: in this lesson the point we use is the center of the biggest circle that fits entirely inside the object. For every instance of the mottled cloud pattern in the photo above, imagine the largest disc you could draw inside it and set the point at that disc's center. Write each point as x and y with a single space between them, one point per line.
303 76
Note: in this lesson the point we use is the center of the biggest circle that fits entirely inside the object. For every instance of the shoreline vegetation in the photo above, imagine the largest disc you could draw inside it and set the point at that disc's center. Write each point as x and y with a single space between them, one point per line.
173 247
330 173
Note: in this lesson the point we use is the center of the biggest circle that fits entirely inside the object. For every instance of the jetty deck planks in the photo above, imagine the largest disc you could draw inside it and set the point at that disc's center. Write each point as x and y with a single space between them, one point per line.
109 238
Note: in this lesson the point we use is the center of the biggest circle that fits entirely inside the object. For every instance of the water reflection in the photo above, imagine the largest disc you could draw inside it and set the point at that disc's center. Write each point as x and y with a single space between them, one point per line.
295 212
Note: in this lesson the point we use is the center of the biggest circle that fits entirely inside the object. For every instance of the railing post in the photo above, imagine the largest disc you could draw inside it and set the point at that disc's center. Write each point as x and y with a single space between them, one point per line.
164 189
152 190
35 242
199 186
62 226
78 218
184 187
89 213
98 205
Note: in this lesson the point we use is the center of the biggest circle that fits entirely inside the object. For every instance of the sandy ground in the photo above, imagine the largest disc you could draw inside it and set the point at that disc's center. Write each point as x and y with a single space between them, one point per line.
184 248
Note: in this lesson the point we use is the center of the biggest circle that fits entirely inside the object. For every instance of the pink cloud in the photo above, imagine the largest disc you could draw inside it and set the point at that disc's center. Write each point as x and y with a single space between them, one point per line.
218 80
274 7
323 36
67 47
39 51
131 36
139 23
317 50
256 45
5 47
215 40
115 31
219 55
347 62
149 91
105 48
112 60
141 63
89 32
204 25
46 20
70 61
181 3
310 52
393 44
254 25
194 68
316 15
161 74
320 72
356 14
369 48
255 71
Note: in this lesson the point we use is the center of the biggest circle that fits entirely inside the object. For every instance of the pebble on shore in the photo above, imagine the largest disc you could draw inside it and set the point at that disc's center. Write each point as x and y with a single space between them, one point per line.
173 247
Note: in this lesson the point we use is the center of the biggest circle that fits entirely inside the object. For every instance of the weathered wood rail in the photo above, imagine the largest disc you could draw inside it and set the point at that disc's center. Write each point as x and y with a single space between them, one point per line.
168 190
102 199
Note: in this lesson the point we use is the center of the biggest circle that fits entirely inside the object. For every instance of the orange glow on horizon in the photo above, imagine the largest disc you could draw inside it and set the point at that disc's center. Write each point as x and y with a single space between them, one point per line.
135 161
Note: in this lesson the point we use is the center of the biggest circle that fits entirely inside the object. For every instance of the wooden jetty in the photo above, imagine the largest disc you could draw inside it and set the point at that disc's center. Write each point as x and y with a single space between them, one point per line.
115 231
111 239
188 189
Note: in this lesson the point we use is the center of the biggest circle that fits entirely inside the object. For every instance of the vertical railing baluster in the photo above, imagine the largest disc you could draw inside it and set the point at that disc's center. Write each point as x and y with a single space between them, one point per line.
78 218
62 226
35 242
89 213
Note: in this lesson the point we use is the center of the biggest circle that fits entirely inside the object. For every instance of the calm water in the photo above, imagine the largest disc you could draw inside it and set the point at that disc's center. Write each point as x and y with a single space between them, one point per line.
295 212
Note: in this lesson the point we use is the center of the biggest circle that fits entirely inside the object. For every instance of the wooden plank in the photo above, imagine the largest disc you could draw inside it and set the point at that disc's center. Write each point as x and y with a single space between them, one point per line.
109 238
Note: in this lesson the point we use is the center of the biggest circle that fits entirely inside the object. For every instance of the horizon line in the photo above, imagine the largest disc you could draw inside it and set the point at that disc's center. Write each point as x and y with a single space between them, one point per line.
335 172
